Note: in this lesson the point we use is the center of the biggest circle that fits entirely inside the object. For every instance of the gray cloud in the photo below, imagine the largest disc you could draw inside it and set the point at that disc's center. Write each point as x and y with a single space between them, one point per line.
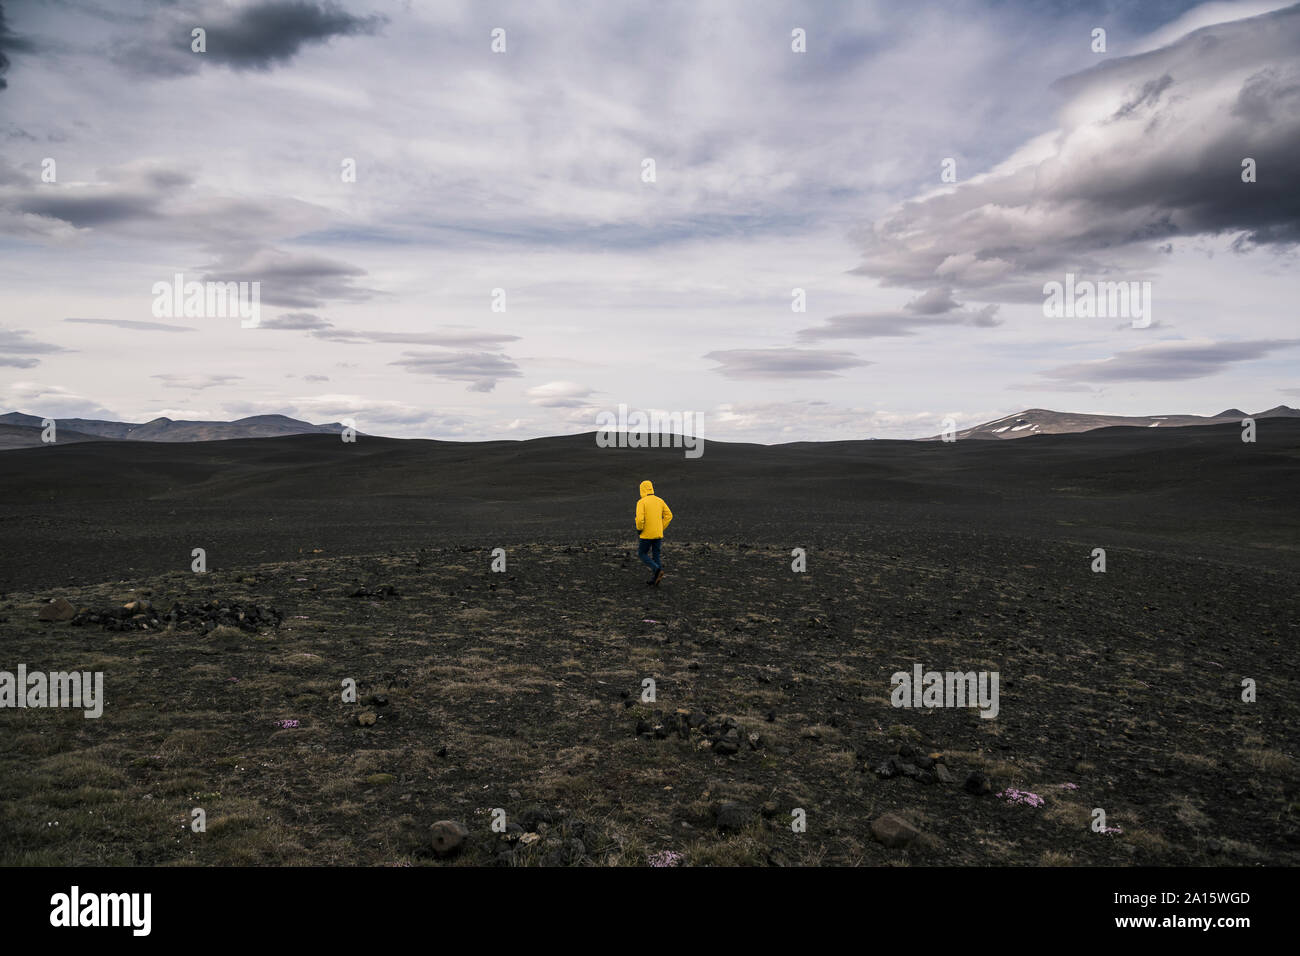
560 395
291 280
450 339
21 347
196 382
1169 361
147 200
934 309
296 321
1113 180
10 42
134 325
1051 387
255 36
783 362
482 369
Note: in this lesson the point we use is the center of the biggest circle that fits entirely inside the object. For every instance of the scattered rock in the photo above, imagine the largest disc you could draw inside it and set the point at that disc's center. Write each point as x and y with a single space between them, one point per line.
944 774
726 745
366 719
537 818
893 831
57 610
379 591
449 837
892 766
731 817
143 615
570 852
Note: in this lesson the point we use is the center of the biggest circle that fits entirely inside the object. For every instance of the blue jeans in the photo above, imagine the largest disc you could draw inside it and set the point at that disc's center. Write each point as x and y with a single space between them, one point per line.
648 551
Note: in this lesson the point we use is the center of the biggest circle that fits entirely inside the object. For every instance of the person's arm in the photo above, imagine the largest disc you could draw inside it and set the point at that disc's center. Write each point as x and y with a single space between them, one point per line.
640 515
668 515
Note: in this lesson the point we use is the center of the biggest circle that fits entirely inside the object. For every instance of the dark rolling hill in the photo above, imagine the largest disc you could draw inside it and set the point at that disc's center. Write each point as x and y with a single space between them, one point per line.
22 430
97 510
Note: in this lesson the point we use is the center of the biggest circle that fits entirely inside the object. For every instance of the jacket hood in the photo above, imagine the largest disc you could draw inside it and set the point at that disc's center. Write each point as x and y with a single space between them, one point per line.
647 489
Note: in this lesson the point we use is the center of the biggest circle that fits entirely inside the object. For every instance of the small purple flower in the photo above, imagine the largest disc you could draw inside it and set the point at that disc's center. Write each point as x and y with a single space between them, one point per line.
1012 795
286 724
1069 786
665 858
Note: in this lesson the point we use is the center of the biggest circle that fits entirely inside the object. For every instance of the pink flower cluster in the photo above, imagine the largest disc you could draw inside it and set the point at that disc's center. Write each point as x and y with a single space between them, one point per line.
665 858
1021 796
286 724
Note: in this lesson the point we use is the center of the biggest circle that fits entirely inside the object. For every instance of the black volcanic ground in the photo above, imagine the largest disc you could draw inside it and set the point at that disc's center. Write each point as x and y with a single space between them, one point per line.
519 690
97 511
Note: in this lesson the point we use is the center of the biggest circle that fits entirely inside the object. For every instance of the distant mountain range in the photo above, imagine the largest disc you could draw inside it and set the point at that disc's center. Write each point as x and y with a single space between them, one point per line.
18 430
1044 421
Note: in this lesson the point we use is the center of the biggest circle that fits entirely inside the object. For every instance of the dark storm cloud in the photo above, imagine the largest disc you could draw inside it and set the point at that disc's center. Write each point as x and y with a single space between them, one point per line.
263 34
135 326
1150 147
482 369
257 36
10 42
783 363
1169 361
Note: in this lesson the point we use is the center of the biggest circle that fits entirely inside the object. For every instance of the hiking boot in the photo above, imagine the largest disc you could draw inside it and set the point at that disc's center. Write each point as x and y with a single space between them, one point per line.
659 576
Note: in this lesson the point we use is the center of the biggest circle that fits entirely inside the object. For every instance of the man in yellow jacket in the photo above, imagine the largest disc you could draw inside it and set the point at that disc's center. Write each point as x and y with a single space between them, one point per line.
652 517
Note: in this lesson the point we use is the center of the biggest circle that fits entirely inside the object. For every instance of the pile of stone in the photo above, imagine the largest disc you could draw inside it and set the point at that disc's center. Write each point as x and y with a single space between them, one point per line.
141 615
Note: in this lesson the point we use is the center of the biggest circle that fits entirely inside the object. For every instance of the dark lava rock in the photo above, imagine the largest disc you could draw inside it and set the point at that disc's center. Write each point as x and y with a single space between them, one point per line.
728 743
57 610
379 591
892 766
449 837
570 852
731 817
893 831
943 774
535 816
142 615
977 784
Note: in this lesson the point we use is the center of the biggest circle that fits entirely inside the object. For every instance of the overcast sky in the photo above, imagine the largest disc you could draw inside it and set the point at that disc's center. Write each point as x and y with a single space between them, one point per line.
522 171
